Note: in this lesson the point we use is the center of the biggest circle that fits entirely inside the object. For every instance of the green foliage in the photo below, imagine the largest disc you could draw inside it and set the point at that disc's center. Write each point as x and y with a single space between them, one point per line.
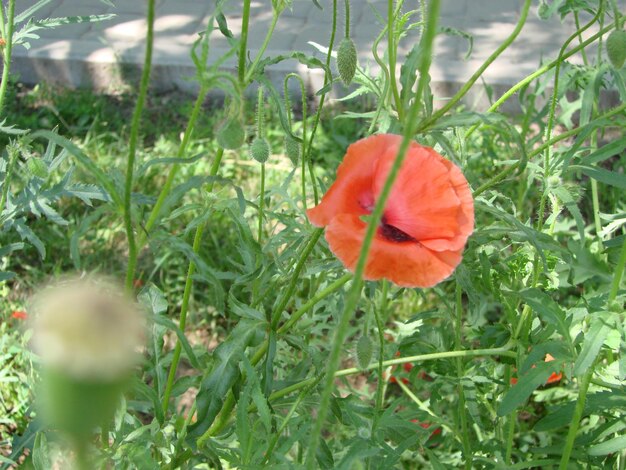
243 296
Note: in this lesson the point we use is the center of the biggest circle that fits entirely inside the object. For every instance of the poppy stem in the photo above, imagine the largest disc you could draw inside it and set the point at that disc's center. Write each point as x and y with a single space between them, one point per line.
132 149
355 292
465 438
7 35
391 56
261 203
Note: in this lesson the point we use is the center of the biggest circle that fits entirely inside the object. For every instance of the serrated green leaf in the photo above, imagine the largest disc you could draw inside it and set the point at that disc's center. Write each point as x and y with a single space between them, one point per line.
184 342
548 310
608 447
526 385
594 339
611 178
223 376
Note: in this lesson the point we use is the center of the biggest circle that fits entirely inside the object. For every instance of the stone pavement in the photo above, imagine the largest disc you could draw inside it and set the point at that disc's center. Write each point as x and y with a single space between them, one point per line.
108 54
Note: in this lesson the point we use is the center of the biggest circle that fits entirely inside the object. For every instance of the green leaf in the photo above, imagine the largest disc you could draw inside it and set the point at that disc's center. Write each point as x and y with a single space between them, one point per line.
603 176
526 385
153 298
609 150
594 339
41 453
564 195
608 447
223 376
103 178
169 324
548 310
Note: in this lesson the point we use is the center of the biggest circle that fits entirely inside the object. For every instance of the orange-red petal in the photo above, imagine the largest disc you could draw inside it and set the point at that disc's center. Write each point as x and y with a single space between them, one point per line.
351 193
407 264
430 199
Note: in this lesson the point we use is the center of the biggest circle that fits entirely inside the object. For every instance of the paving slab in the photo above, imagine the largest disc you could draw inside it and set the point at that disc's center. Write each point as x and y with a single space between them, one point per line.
107 55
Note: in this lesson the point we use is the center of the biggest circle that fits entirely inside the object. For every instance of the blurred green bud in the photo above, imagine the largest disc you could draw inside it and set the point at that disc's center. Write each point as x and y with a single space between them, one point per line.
231 134
364 351
616 48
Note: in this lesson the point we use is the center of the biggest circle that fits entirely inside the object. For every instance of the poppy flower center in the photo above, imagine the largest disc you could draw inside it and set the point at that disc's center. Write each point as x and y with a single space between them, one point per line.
392 233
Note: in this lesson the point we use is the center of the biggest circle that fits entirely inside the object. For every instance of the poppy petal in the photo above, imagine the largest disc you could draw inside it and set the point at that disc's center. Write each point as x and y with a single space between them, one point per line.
407 264
430 199
351 193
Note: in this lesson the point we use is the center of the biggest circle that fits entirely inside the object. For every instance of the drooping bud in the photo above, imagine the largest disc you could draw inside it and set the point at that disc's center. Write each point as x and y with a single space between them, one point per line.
346 60
37 167
231 134
364 351
260 150
616 48
292 149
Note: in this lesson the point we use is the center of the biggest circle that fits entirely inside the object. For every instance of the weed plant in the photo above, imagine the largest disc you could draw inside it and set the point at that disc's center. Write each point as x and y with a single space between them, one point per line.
263 349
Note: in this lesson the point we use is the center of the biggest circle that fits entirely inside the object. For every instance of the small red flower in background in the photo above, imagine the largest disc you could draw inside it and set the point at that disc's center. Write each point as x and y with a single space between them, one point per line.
137 284
427 220
554 376
426 425
19 315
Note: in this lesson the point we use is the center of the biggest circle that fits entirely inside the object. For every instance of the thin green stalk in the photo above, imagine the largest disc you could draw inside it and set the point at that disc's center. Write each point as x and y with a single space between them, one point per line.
266 41
167 186
318 114
467 448
288 293
8 51
355 291
303 148
331 288
565 135
617 277
229 404
187 293
243 44
528 79
391 57
379 314
132 148
578 414
474 78
6 184
261 203
347 27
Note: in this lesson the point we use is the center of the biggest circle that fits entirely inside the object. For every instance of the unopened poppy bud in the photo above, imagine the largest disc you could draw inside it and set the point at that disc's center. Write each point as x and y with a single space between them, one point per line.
364 351
292 149
346 60
260 150
88 334
231 134
616 48
37 168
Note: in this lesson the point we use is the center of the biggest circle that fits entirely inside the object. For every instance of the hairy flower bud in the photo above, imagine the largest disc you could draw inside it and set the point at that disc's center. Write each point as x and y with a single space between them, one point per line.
292 149
260 150
231 134
364 351
346 60
616 48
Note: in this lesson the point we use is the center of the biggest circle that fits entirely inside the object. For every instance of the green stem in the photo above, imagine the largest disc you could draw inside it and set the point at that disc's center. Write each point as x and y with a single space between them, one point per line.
355 291
155 213
578 413
261 203
266 41
318 114
8 51
379 314
331 288
391 57
187 293
466 87
565 135
347 27
132 148
467 448
617 277
546 68
243 44
291 288
13 155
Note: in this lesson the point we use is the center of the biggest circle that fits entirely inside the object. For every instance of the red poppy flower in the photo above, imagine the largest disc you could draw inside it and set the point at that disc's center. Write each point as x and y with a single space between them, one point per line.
428 217
19 315
554 376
